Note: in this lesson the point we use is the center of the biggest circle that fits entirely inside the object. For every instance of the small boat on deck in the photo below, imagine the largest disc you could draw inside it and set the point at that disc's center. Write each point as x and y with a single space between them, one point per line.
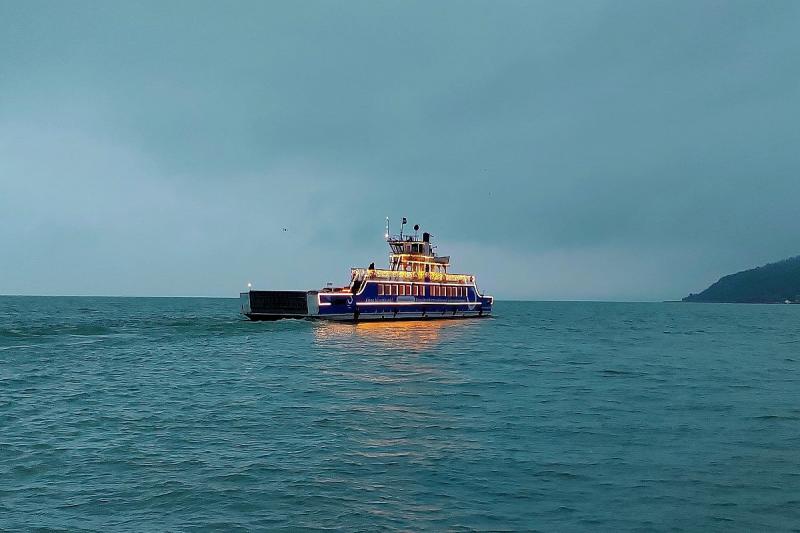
416 286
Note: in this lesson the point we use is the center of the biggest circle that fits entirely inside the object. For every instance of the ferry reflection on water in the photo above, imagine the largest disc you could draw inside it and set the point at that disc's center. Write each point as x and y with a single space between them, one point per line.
407 352
401 335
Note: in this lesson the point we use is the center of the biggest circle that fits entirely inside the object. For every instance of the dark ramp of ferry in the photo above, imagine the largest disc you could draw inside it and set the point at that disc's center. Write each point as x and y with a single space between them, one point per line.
274 305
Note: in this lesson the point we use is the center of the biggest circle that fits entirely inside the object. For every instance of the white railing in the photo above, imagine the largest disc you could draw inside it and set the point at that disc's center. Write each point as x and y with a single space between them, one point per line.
401 275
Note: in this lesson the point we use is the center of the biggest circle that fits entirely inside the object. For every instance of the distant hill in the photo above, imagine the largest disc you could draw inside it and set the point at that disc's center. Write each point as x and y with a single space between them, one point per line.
771 283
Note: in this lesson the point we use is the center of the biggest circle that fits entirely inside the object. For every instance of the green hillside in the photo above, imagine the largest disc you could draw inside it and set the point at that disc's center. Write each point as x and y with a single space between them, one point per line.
771 283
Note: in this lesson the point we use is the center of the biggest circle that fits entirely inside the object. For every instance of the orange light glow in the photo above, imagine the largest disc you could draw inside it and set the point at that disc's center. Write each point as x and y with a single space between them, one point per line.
401 275
402 335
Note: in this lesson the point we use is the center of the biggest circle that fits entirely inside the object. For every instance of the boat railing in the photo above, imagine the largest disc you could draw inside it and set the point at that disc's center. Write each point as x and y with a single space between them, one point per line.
402 275
420 258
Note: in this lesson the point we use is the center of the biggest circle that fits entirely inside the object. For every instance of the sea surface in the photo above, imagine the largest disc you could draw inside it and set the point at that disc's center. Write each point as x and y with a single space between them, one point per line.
170 414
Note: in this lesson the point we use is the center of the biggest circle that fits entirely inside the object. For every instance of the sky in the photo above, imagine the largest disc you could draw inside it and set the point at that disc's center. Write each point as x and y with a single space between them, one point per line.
580 150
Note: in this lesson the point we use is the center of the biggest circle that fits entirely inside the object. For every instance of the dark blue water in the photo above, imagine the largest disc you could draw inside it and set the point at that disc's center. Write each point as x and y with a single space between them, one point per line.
174 414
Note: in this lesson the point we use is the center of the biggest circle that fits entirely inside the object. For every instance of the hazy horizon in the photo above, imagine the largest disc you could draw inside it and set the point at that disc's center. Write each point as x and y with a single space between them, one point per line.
603 151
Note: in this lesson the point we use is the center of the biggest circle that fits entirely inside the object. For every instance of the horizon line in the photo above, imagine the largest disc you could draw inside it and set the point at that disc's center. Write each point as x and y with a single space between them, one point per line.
237 297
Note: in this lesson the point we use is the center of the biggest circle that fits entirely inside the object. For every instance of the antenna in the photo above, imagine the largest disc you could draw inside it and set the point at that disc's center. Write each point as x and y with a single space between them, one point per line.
386 236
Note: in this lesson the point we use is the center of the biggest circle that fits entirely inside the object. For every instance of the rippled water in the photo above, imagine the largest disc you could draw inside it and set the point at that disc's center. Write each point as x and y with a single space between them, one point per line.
175 414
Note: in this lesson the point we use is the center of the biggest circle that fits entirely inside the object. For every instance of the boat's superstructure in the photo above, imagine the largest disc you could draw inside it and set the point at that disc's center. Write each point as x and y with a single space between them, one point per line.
417 285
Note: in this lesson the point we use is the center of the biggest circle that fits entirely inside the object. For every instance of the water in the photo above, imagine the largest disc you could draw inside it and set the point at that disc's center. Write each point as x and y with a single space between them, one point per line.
175 414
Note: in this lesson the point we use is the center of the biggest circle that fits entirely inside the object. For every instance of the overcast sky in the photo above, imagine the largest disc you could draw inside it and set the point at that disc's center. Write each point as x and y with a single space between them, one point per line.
558 150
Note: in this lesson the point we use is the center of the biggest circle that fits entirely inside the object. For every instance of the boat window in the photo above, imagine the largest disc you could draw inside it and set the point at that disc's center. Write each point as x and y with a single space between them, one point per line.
380 289
394 289
415 290
408 290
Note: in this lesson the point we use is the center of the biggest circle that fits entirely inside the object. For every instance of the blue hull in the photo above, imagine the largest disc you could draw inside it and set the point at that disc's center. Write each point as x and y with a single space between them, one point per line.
374 301
414 302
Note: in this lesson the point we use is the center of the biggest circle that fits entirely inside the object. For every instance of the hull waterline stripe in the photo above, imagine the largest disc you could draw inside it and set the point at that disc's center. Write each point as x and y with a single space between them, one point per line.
393 304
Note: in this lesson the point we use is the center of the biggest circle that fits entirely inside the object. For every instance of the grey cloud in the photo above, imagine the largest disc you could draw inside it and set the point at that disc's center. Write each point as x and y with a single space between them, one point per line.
159 145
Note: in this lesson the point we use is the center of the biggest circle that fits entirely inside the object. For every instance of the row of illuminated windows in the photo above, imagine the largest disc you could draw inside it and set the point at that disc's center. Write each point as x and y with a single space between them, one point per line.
450 292
394 289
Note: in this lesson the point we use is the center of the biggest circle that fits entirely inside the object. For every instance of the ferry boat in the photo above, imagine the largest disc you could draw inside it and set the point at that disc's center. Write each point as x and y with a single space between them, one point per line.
416 286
